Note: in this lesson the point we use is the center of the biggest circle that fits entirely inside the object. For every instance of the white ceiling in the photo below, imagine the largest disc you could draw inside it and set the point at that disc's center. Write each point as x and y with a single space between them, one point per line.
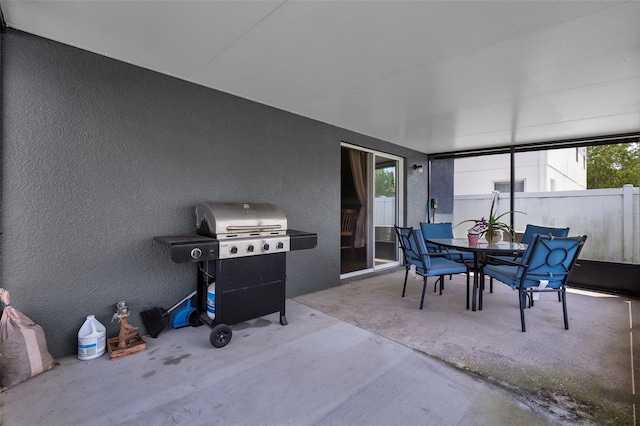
434 76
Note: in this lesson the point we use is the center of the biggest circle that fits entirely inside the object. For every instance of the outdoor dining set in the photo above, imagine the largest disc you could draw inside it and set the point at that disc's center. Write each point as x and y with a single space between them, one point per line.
541 260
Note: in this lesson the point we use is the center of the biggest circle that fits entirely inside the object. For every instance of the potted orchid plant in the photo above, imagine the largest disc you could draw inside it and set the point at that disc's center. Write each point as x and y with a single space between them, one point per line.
491 228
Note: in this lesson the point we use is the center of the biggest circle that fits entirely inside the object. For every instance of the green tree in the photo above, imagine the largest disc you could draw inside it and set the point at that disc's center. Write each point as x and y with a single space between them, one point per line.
611 166
385 182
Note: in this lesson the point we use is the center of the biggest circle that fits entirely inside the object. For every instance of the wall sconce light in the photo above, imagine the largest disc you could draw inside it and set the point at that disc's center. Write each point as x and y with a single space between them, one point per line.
418 168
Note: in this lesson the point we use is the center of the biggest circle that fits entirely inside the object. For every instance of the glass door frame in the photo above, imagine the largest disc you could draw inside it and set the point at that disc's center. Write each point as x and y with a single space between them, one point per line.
399 210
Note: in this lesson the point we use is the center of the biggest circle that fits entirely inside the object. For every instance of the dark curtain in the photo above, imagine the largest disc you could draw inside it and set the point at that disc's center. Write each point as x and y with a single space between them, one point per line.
358 161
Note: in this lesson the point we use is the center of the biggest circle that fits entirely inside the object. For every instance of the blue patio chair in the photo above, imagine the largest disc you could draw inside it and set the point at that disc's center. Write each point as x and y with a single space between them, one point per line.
529 232
547 258
532 230
443 230
426 264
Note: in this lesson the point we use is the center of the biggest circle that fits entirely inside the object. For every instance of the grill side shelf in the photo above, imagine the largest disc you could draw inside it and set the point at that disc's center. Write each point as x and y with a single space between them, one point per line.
190 248
302 240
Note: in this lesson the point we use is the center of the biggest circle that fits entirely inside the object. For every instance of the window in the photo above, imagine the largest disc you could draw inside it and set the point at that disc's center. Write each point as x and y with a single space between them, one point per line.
505 186
601 187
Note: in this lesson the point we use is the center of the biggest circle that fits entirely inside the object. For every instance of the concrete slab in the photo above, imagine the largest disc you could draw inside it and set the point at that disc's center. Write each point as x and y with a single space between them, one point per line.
585 373
315 371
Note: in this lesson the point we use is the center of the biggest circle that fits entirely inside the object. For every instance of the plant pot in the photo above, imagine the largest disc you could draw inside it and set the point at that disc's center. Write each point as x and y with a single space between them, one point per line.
493 237
473 239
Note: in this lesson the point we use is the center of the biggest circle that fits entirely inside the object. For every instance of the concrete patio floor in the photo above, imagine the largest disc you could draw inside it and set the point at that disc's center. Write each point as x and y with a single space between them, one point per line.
359 354
585 372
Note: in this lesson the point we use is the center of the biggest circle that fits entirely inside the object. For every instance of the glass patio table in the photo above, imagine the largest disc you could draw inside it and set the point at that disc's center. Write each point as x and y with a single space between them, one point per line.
480 252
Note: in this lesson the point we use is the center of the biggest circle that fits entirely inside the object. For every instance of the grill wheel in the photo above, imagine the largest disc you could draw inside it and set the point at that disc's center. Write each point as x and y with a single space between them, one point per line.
220 335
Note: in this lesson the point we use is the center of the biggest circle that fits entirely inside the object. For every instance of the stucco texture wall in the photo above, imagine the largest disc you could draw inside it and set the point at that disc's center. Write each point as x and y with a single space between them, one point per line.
100 156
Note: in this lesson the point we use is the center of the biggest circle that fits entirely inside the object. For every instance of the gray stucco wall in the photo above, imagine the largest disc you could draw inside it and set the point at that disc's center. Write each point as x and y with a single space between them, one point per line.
100 156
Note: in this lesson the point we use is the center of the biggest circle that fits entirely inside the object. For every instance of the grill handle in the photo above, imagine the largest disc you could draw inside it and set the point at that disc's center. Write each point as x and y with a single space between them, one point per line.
251 228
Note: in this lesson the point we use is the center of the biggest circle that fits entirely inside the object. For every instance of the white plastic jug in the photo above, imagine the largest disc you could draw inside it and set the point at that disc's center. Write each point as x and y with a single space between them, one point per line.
91 339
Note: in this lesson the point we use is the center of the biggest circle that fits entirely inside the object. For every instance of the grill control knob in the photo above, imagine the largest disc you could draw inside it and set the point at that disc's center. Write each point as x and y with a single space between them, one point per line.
280 245
250 248
233 250
196 253
265 246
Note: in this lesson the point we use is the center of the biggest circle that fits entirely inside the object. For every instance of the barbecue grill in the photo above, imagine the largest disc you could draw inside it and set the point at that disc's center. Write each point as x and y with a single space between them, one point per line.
242 248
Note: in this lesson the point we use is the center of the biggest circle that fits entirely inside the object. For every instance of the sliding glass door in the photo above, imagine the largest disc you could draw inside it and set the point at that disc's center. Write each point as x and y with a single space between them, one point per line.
385 209
371 190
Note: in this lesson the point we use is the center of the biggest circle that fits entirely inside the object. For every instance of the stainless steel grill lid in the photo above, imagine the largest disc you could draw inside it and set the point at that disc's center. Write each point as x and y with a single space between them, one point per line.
237 220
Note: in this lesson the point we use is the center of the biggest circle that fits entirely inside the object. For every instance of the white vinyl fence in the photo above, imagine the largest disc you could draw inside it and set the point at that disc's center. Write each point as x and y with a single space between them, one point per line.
609 217
384 211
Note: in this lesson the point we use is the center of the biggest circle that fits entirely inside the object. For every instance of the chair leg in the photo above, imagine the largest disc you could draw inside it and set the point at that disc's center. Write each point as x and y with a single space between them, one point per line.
490 284
564 307
523 295
480 287
441 279
467 288
404 287
424 289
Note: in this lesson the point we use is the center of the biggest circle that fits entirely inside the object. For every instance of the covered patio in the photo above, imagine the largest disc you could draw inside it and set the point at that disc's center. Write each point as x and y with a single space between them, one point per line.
586 370
360 354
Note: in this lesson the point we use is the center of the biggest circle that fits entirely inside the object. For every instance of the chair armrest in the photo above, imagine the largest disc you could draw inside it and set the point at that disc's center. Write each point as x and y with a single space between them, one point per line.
443 251
440 254
435 249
